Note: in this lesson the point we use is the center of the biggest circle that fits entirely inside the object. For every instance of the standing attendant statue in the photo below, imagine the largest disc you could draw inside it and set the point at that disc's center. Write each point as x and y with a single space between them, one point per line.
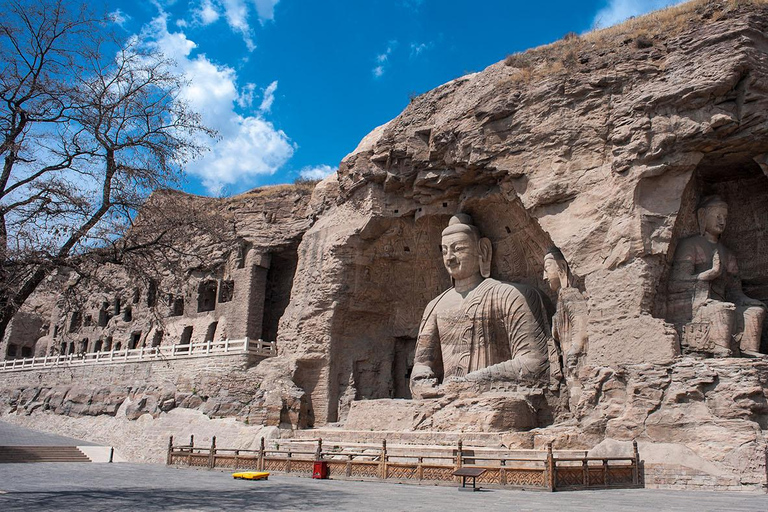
481 329
569 324
705 293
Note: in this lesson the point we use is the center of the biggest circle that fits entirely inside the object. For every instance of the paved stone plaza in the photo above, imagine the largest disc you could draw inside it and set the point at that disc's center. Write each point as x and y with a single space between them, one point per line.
77 487
15 435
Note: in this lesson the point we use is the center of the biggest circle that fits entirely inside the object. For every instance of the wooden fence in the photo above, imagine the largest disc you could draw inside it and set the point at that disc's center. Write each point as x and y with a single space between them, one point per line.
209 348
544 471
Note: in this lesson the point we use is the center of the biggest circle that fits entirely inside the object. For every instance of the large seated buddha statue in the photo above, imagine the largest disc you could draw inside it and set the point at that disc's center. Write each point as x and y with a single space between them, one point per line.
481 329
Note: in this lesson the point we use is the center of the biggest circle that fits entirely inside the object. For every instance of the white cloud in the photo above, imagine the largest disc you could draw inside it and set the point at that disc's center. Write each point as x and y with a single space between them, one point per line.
269 97
317 173
250 145
418 48
266 9
207 13
619 10
382 59
236 13
119 17
245 99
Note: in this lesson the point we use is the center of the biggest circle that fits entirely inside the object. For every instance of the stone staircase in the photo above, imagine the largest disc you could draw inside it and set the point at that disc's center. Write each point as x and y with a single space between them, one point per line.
12 454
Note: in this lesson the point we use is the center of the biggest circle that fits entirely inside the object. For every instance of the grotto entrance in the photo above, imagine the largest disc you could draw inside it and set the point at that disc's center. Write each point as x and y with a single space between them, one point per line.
277 293
405 348
395 267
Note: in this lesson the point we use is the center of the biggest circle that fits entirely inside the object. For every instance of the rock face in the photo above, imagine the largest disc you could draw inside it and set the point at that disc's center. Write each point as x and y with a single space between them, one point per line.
604 155
602 145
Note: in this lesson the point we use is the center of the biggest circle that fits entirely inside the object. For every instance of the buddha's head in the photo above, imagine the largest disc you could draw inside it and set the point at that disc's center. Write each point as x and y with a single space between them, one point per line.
712 215
465 253
556 270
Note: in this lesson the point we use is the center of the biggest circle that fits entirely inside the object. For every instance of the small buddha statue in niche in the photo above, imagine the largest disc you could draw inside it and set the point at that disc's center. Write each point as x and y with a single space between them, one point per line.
705 293
481 329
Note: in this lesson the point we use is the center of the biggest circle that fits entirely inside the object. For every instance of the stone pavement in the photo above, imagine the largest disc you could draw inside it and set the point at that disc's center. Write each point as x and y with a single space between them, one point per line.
76 487
14 435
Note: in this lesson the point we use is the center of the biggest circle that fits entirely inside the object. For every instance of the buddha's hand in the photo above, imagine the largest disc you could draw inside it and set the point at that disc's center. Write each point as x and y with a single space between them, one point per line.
482 375
424 383
715 271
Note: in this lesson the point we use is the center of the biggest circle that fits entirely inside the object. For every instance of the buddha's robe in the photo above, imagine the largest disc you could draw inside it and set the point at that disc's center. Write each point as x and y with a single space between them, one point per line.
499 331
569 320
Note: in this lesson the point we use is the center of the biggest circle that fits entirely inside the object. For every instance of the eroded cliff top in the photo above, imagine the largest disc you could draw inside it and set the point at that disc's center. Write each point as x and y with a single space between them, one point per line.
577 124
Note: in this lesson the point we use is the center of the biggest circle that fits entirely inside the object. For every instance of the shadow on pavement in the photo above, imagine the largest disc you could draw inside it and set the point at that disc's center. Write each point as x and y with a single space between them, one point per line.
284 497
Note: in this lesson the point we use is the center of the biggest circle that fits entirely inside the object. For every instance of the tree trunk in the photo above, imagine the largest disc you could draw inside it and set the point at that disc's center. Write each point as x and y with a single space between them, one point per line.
11 302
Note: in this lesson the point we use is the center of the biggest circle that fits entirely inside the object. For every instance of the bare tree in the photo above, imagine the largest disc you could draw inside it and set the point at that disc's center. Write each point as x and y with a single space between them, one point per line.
90 126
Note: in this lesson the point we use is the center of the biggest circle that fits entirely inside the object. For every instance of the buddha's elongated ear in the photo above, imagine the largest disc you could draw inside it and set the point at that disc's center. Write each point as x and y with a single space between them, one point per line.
485 249
564 273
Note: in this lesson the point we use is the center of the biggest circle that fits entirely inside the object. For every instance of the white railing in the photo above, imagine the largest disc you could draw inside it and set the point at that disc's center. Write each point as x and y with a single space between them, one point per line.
208 348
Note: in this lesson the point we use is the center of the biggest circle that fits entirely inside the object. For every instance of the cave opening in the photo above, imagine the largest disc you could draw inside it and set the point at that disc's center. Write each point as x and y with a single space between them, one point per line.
277 292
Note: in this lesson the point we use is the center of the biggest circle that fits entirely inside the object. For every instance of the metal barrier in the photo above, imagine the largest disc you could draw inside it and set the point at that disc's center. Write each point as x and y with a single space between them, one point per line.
544 472
259 348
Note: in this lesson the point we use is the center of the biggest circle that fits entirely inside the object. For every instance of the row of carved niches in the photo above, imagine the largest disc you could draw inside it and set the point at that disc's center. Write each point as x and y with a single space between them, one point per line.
717 280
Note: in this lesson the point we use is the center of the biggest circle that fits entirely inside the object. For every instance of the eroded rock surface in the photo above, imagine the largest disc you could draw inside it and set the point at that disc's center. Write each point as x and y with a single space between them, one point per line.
602 145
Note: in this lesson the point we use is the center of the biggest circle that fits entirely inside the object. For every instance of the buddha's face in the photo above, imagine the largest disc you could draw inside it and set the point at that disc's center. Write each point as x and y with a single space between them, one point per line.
552 272
461 256
715 217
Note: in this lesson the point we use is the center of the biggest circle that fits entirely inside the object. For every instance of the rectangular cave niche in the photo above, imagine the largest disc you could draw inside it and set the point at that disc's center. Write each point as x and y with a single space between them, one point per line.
402 366
311 376
277 291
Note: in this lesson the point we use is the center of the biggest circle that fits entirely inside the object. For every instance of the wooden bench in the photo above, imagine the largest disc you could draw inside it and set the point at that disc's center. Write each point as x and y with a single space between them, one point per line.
465 473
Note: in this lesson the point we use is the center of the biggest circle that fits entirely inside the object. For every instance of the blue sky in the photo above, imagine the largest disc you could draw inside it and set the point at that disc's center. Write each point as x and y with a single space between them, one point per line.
293 85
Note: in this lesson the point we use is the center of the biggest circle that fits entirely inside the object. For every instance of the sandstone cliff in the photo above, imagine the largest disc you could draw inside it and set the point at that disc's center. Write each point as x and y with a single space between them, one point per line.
601 144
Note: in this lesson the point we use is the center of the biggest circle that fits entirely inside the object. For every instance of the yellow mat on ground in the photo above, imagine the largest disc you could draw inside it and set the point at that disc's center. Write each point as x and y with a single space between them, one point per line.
251 475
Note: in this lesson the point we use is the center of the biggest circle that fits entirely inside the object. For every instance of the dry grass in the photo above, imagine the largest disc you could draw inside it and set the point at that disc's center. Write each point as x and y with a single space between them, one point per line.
300 186
641 32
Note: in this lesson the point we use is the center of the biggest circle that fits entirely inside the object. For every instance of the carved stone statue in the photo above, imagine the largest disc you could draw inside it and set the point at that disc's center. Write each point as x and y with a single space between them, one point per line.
569 324
481 329
705 294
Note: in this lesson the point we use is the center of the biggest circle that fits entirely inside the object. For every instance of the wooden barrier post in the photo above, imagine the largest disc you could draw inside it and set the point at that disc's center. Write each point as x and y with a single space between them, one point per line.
170 450
383 463
191 449
550 473
459 457
420 469
260 465
502 472
635 464
212 453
